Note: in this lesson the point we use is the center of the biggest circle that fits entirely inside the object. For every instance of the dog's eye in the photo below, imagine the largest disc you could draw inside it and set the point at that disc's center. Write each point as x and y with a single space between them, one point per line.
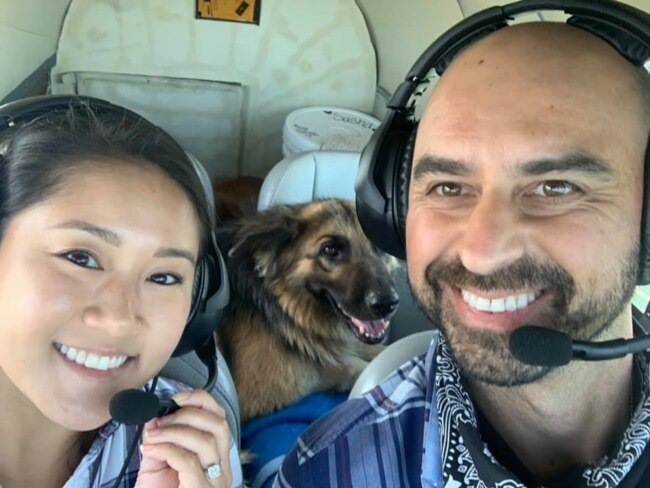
330 251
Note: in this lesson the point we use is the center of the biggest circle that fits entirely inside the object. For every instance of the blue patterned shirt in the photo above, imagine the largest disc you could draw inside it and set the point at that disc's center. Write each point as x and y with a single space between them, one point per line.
420 428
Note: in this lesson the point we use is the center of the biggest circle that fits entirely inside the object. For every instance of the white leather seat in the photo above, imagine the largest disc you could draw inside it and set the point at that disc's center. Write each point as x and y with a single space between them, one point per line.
390 359
309 176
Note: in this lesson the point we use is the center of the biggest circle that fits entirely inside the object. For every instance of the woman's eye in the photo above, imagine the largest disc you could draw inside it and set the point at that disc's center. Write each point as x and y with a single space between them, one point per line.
166 279
449 190
555 189
81 258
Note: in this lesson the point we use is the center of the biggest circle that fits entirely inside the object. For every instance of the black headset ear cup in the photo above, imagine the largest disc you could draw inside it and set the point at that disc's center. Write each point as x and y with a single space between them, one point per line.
205 311
210 290
402 181
382 180
197 286
643 276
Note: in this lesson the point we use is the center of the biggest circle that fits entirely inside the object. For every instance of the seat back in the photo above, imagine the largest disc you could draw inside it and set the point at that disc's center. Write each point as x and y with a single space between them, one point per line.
305 177
391 358
327 174
190 370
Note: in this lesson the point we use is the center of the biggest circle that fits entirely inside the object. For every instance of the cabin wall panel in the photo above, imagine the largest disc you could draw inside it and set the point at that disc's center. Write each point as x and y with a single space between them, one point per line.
29 30
301 54
401 31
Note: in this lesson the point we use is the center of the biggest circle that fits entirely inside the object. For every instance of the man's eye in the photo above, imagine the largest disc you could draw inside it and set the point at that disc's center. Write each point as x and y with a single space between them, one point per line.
81 258
449 190
166 279
555 189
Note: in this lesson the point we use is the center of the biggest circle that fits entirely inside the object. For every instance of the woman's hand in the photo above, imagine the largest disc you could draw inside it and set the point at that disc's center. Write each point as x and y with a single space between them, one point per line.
189 448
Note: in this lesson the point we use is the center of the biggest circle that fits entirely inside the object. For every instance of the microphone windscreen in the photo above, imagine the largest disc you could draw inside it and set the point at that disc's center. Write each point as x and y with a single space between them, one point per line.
133 407
539 346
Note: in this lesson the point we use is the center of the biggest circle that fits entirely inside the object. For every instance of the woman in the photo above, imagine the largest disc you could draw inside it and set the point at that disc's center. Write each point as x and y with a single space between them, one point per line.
103 221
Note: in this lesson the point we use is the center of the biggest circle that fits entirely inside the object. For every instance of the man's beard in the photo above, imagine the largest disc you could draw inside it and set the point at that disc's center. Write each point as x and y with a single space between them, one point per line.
484 354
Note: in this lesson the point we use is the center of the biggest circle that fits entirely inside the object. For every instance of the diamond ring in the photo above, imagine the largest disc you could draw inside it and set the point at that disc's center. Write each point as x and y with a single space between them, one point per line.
213 471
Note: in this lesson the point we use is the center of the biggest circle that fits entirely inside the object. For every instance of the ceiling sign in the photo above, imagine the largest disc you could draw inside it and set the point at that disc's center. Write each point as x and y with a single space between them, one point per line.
246 11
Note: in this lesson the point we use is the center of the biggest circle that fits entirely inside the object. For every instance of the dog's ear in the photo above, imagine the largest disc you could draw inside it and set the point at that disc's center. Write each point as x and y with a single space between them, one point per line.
263 237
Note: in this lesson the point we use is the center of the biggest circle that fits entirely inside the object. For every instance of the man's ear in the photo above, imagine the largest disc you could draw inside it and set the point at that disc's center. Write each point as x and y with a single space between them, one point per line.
263 236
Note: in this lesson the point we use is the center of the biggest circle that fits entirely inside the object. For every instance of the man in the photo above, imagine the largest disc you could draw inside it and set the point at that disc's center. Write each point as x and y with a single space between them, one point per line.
524 208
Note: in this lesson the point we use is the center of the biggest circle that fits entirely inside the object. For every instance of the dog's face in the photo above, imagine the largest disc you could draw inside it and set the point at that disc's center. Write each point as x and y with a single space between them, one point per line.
320 268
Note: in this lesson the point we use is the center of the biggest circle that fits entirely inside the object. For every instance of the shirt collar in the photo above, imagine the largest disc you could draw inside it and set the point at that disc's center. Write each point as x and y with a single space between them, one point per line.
466 459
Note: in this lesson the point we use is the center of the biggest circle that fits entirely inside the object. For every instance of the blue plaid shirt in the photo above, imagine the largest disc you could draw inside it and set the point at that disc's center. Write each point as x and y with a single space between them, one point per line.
100 467
384 439
420 428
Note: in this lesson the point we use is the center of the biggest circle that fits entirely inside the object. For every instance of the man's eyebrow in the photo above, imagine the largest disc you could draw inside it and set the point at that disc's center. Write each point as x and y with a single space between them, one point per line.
104 234
112 238
572 162
427 165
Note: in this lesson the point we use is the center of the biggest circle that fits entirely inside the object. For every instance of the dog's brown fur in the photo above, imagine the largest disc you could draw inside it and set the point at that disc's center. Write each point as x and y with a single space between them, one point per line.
282 336
236 197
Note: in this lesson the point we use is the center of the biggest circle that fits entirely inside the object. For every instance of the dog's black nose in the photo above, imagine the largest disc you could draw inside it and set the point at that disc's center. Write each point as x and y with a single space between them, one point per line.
383 304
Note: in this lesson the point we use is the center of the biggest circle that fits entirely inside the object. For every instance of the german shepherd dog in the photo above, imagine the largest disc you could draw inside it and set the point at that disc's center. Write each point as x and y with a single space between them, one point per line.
311 298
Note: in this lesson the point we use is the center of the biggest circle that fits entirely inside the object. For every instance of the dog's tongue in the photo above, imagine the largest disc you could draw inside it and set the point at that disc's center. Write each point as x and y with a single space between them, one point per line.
372 327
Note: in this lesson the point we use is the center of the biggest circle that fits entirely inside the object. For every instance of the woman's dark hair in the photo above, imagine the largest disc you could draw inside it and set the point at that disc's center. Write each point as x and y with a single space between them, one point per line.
37 157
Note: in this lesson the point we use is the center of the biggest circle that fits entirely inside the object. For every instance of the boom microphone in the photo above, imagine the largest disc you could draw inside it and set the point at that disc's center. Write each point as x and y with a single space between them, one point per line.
134 407
539 346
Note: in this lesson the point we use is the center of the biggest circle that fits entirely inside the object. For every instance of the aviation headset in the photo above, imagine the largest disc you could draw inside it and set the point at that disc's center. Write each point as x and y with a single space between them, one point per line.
384 171
210 291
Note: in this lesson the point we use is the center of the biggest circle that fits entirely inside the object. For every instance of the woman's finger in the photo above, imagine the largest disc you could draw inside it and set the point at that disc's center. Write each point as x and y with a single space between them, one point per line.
200 399
188 415
192 416
202 444
190 473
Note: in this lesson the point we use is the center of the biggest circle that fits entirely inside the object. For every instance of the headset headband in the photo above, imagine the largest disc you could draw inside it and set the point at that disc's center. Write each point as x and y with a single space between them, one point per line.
617 24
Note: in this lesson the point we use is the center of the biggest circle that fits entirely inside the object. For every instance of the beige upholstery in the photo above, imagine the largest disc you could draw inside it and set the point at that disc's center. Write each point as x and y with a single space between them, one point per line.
190 370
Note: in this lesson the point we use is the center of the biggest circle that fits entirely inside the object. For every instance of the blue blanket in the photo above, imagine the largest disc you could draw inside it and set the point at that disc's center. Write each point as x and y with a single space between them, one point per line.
270 437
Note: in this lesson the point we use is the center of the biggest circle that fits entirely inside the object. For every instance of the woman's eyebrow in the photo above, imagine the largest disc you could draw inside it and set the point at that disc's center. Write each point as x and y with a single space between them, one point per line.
112 238
101 232
172 252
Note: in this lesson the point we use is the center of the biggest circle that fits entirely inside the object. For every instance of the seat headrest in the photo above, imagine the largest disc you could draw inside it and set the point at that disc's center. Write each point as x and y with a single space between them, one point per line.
310 176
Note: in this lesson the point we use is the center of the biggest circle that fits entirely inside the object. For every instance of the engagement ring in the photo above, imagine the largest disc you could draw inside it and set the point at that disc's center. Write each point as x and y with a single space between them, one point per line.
213 471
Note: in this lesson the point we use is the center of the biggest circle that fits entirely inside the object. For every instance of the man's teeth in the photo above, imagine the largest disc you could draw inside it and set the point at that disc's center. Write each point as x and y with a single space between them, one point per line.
510 303
91 360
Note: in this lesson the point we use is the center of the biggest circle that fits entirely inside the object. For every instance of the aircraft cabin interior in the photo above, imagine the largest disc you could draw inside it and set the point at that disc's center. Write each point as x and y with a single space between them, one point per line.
280 94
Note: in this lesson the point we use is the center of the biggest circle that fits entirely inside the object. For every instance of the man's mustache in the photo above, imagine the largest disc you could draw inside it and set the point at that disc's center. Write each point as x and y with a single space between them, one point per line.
524 273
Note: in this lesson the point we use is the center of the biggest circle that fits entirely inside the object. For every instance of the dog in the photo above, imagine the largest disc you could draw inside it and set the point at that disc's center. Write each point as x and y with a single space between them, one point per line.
311 300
